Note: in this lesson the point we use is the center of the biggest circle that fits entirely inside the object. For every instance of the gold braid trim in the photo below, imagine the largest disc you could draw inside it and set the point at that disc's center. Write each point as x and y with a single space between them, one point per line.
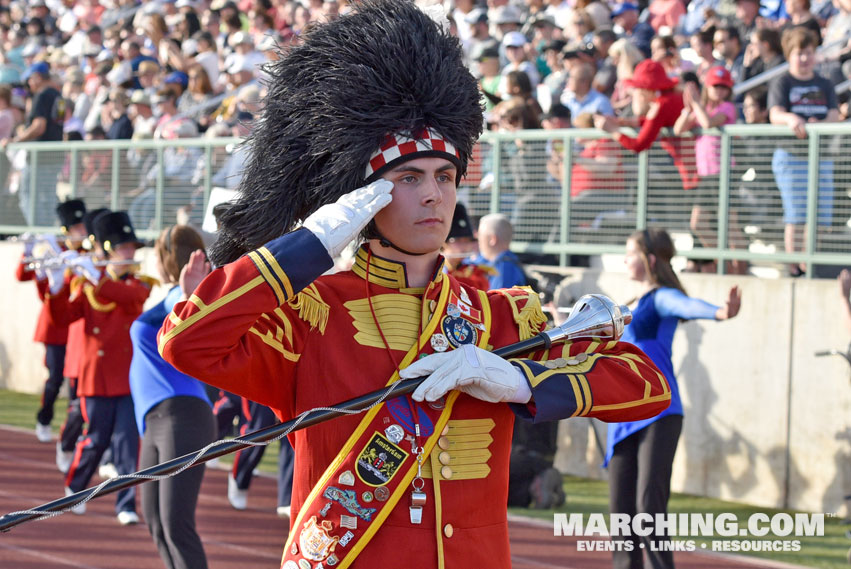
311 308
530 318
89 290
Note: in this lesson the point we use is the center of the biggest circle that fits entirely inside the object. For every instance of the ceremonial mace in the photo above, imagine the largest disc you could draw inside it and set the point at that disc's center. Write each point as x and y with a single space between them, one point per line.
593 316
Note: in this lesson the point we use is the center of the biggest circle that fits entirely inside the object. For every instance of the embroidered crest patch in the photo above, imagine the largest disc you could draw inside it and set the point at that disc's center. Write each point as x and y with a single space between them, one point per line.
379 461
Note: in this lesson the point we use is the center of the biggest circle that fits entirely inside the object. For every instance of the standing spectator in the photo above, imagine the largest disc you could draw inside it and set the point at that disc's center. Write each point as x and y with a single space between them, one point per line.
796 98
625 17
728 44
625 57
44 123
580 97
664 50
640 454
173 413
655 105
710 109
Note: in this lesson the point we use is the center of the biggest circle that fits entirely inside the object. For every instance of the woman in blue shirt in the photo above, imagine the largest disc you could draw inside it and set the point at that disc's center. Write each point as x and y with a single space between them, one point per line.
640 454
173 414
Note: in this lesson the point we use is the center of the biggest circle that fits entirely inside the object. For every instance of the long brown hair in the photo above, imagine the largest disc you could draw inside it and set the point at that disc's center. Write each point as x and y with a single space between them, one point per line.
655 241
174 246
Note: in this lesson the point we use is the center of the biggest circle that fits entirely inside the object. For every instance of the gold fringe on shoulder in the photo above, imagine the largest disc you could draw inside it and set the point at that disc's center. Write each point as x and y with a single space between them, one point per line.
89 290
311 308
150 281
530 318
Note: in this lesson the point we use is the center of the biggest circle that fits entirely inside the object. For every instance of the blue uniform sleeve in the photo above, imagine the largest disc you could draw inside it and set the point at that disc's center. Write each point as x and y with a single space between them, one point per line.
670 302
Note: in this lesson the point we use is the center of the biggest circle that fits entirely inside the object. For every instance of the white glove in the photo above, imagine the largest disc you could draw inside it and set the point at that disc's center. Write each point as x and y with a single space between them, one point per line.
474 371
84 266
51 241
336 224
29 243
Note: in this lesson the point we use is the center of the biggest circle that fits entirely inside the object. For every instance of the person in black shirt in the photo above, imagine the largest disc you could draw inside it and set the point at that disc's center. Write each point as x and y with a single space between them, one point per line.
44 123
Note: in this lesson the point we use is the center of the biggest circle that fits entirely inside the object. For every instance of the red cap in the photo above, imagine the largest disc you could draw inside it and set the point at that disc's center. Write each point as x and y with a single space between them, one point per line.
719 76
650 75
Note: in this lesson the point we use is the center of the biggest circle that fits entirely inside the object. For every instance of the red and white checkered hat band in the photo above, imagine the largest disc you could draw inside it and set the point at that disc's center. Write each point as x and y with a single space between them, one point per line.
398 148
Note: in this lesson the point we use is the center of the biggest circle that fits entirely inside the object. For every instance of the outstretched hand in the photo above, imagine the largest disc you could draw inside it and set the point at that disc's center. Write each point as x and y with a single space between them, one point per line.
193 272
731 306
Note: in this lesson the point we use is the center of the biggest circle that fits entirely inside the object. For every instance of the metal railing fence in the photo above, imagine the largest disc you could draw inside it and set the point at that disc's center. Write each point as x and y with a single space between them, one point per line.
608 191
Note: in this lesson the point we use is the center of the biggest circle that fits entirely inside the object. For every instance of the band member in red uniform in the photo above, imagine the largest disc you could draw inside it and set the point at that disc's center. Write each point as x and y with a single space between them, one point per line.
108 302
53 336
375 116
72 428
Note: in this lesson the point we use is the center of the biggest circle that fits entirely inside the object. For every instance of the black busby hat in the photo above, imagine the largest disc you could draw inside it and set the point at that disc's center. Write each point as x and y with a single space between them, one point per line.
89 220
113 229
461 224
70 213
342 104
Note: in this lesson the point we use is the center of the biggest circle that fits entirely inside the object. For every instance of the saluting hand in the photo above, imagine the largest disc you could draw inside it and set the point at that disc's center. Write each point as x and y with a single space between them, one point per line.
193 272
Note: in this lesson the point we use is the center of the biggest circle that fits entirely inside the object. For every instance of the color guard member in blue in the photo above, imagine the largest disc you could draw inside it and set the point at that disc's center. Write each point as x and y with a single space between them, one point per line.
640 454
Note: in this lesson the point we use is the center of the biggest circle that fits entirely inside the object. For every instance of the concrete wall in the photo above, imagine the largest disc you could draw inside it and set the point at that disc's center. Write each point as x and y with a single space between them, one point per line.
766 422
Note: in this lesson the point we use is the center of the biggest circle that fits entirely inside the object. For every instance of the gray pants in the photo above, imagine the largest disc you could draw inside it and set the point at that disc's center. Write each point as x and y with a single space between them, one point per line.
175 427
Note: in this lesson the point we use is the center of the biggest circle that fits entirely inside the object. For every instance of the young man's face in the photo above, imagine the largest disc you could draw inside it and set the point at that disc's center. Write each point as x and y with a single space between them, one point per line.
420 215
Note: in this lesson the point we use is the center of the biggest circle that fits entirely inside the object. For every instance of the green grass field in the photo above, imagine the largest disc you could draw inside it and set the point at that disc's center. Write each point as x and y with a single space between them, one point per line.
583 496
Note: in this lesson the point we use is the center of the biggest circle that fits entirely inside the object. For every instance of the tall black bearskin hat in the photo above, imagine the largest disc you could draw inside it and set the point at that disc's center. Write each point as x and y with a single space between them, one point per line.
461 224
89 220
115 228
70 213
343 104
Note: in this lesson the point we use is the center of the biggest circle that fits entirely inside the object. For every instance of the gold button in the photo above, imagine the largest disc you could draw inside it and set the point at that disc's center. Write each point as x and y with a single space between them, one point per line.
446 472
581 357
443 457
443 443
95 330
432 304
573 362
561 362
448 530
445 431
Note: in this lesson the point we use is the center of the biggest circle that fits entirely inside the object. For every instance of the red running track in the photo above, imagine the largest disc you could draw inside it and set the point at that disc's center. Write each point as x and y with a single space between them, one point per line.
233 539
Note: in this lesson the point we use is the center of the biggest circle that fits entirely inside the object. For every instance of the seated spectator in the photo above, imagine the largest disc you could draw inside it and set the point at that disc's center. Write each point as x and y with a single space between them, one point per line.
200 91
800 16
121 127
625 17
147 75
664 50
625 57
579 27
489 76
665 15
762 53
165 108
206 55
141 113
729 46
580 97
515 45
703 51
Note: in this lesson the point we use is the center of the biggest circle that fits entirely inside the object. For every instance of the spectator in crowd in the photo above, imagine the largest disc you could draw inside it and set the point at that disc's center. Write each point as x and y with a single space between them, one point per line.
580 97
480 38
96 166
518 87
664 50
728 44
147 75
710 108
515 44
140 112
121 127
625 56
747 18
556 118
665 15
625 17
800 16
762 53
494 237
553 84
504 19
702 45
607 76
8 122
193 102
207 55
47 112
599 11
798 97
579 28
165 108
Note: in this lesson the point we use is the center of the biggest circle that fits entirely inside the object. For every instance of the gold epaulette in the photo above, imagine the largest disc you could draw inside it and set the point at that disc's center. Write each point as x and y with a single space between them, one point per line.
311 308
150 281
526 308
76 285
487 269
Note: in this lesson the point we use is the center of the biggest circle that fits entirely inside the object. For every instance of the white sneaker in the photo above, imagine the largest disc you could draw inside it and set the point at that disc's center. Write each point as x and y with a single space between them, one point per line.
79 509
237 498
43 433
284 511
107 471
63 458
128 518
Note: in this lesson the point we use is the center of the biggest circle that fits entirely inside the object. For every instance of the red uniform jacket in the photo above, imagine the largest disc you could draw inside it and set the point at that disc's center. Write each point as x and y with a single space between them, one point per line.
107 310
248 329
46 331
